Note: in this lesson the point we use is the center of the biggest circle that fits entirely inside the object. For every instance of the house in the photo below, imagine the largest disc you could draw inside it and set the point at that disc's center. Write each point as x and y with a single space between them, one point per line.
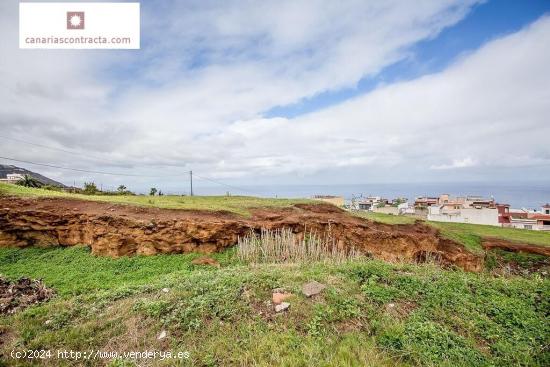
425 202
531 220
12 178
474 215
503 213
334 200
370 202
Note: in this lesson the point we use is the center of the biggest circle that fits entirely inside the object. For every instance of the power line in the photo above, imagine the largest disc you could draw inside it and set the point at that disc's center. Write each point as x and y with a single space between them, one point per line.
125 174
76 169
226 185
86 155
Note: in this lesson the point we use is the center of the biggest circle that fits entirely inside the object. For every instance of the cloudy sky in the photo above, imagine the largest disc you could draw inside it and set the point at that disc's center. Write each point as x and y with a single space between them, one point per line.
290 92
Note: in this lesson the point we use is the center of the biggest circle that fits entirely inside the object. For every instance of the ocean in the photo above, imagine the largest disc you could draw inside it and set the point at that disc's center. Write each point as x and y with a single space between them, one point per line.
518 195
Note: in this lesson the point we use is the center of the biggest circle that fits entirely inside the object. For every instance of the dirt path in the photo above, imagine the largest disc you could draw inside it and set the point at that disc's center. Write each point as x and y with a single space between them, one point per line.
118 230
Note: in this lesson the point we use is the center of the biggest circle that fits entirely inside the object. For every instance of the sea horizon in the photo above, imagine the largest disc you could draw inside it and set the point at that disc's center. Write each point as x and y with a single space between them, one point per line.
529 195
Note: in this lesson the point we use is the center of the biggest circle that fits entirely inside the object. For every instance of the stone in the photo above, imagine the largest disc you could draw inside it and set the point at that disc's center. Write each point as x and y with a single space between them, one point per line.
282 307
165 290
47 322
312 288
278 297
162 335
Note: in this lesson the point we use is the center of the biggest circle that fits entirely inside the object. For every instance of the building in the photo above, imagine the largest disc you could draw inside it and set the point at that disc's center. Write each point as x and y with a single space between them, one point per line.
334 200
474 215
370 202
12 178
503 213
530 220
425 202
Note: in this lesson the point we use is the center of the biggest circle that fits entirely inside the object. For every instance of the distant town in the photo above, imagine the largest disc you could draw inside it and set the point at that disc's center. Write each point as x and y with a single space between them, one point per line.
446 208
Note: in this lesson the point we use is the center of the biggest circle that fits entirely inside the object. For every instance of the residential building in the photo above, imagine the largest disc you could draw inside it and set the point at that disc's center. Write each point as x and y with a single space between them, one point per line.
12 178
425 202
370 202
474 215
531 220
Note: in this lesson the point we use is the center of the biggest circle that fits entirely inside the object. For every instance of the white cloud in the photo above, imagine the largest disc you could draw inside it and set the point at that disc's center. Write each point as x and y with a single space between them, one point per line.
194 96
457 163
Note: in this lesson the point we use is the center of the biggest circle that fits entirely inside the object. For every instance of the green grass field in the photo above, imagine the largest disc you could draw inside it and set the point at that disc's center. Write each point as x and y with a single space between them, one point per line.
371 313
469 235
235 204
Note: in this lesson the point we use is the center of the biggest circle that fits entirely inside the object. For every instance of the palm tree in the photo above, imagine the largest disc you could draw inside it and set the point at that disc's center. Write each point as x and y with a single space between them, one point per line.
29 181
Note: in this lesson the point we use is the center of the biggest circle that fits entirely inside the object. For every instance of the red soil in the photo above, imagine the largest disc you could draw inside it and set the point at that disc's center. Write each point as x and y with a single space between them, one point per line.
118 230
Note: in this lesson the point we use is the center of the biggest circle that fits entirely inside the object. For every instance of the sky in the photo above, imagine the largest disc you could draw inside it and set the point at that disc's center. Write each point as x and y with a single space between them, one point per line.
289 92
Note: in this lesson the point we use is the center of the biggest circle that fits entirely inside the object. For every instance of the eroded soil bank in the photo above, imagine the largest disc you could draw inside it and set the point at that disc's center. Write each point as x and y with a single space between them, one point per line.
117 230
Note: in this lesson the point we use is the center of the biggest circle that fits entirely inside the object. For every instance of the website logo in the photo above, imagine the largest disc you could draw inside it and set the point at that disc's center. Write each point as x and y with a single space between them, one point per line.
79 25
75 20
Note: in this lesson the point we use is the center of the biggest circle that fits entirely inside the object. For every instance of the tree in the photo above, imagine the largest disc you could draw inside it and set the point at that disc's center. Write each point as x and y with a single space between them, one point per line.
90 188
153 191
29 181
160 193
122 189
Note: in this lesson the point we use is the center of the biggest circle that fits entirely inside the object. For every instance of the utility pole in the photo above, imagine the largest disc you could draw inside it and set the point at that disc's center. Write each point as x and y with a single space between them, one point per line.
191 181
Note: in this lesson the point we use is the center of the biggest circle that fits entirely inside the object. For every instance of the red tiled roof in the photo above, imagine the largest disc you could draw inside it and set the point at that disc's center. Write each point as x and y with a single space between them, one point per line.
539 216
518 215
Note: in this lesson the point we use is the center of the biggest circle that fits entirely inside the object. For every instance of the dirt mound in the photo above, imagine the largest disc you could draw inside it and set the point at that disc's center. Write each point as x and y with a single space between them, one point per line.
118 230
17 295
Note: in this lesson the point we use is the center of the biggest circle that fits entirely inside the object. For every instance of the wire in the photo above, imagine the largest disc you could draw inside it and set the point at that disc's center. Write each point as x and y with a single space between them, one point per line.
224 184
125 174
76 169
86 155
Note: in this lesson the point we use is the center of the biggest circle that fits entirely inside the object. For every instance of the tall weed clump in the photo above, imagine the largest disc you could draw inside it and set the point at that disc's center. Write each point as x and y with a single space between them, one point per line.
285 246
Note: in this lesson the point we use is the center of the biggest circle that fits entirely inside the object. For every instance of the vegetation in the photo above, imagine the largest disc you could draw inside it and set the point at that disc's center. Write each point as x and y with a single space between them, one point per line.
90 188
371 313
153 191
469 235
284 246
235 204
29 181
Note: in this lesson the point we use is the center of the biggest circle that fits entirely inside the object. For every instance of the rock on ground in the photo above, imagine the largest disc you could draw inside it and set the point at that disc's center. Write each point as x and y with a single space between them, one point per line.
279 297
312 288
282 307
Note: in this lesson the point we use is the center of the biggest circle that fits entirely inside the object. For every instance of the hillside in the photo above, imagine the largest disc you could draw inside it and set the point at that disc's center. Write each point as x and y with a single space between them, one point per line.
370 314
7 169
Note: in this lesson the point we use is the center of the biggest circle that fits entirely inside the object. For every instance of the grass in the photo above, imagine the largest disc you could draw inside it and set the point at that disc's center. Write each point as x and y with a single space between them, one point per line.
371 313
235 204
469 235
284 246
385 218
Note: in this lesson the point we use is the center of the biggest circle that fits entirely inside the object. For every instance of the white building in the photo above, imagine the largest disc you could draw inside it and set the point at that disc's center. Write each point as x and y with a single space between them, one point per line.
12 178
479 215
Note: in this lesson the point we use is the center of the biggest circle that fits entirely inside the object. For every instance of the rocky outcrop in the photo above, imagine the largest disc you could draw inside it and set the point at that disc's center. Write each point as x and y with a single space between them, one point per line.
118 230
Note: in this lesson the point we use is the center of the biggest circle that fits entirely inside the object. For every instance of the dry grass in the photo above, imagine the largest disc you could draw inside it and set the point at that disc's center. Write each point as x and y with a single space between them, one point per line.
285 246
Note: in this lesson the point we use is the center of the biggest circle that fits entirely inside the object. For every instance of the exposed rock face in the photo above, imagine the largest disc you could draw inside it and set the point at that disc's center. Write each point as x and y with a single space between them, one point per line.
118 230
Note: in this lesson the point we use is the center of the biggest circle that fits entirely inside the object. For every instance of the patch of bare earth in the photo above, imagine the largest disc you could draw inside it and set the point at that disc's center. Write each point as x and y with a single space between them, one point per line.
118 230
